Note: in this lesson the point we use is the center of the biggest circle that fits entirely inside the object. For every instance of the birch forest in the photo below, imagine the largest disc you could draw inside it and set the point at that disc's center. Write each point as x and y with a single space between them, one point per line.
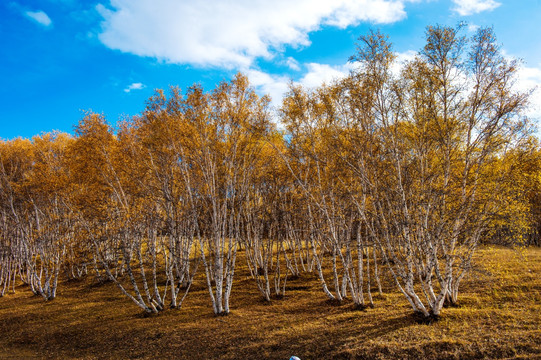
395 173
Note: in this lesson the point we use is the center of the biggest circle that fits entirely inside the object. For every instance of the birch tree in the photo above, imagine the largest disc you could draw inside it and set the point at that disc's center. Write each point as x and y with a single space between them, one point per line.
229 128
15 163
317 120
430 137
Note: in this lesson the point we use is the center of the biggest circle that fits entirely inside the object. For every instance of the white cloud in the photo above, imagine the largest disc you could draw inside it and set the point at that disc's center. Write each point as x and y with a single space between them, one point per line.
293 64
269 84
322 73
315 75
40 17
229 33
528 79
470 7
401 59
277 85
473 28
134 86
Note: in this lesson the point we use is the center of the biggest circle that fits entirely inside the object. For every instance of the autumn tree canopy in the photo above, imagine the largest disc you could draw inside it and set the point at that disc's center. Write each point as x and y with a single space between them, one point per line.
386 173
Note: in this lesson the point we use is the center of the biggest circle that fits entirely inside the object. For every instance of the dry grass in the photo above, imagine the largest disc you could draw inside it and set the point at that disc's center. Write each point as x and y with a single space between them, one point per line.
499 317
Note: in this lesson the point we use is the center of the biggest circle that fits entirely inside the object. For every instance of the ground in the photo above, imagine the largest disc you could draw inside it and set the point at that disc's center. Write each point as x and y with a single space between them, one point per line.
498 317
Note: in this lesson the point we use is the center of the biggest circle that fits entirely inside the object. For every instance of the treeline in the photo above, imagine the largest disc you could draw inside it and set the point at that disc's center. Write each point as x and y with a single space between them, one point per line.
388 172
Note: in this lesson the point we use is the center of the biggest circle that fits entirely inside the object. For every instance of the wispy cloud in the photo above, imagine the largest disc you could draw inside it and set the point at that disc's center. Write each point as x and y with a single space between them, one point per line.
230 33
473 28
292 64
39 17
470 7
134 86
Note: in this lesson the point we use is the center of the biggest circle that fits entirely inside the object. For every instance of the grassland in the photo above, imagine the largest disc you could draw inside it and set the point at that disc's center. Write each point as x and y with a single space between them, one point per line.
499 317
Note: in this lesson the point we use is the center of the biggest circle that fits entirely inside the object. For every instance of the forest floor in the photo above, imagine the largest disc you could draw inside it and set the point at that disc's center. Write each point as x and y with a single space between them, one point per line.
498 317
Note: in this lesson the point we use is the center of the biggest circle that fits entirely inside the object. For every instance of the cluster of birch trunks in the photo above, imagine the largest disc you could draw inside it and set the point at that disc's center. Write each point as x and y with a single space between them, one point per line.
392 172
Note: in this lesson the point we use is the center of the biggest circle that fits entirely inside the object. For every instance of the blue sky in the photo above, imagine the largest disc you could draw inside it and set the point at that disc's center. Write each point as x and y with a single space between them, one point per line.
59 58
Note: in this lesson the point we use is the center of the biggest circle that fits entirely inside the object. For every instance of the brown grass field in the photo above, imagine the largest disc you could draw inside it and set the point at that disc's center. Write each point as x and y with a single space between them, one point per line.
499 317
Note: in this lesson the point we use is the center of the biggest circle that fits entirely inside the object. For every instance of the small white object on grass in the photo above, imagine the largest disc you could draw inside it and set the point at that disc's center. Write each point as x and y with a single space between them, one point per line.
294 358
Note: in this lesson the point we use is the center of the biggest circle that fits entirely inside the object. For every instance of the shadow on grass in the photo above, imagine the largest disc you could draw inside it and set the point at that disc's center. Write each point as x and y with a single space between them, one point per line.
387 326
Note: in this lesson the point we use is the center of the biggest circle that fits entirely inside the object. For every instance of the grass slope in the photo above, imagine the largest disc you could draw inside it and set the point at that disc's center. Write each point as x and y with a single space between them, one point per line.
499 317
